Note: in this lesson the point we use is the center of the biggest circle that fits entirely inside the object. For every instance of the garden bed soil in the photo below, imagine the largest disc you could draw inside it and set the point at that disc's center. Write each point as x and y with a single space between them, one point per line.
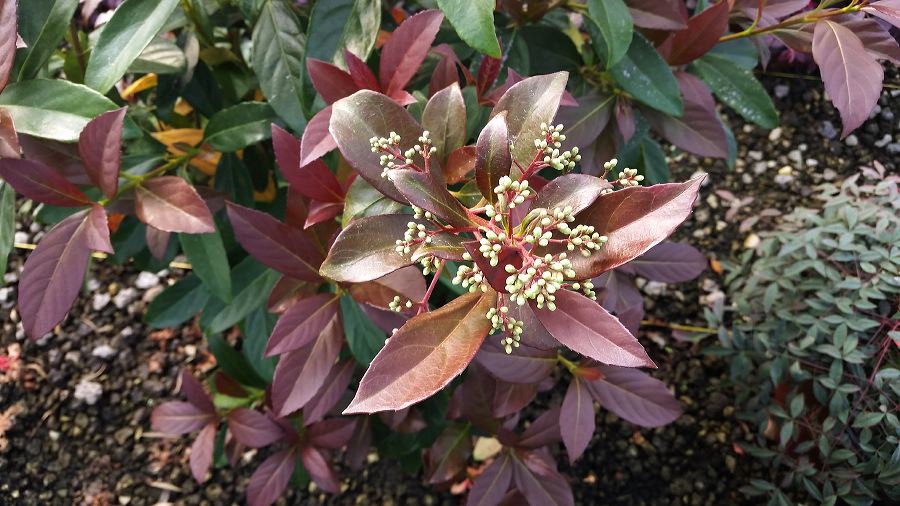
60 449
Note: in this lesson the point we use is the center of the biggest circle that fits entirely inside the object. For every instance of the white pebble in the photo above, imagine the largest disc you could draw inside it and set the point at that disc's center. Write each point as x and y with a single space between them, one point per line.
88 391
146 280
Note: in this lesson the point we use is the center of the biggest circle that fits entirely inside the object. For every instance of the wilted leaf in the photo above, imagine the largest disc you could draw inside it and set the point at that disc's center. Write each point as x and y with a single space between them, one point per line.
365 250
169 203
493 159
576 420
406 49
41 183
635 396
302 323
424 355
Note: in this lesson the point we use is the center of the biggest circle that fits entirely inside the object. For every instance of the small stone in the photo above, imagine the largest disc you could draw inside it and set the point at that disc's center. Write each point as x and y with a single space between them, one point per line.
751 241
828 130
4 294
124 297
755 155
100 300
21 237
782 90
851 140
654 288
88 391
103 351
775 134
883 141
146 280
122 435
730 462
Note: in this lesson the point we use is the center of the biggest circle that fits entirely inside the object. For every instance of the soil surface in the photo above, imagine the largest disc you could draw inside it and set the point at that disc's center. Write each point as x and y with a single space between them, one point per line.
82 396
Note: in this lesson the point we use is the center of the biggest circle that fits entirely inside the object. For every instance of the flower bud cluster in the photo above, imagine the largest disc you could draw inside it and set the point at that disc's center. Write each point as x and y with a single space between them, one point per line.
583 237
421 214
550 145
586 287
470 278
491 244
500 320
398 305
629 177
520 192
415 232
430 264
540 280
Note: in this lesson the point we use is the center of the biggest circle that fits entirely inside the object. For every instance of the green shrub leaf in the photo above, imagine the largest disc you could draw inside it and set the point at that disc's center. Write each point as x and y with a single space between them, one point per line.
53 109
611 29
738 88
278 45
647 77
474 22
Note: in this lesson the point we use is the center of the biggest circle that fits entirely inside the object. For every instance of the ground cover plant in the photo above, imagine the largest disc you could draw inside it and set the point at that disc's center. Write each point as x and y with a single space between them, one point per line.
815 342
396 185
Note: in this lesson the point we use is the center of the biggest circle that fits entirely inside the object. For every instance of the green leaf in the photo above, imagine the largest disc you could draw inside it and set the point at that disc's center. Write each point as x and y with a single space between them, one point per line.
240 126
122 39
278 45
251 283
645 155
257 328
233 363
177 303
474 22
364 338
160 57
364 200
343 24
42 23
867 419
7 224
741 52
611 29
647 78
53 109
206 252
738 88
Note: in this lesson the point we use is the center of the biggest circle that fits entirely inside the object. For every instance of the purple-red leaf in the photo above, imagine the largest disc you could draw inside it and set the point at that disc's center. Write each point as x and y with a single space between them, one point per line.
525 365
319 469
670 262
317 140
302 323
529 103
358 447
577 191
429 193
157 242
510 398
702 33
333 433
202 452
851 75
888 10
657 14
179 417
406 49
448 455
699 129
271 478
585 122
287 150
490 487
252 428
424 355
364 115
365 250
635 396
625 118
274 244
169 203
408 283
54 271
361 74
576 420
445 119
634 220
537 479
877 40
9 139
8 37
100 146
333 388
492 156
196 395
543 431
316 182
330 81
41 183
299 374
584 326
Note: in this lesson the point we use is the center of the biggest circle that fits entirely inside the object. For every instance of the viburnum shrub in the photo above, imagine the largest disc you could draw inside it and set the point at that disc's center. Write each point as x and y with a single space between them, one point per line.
815 346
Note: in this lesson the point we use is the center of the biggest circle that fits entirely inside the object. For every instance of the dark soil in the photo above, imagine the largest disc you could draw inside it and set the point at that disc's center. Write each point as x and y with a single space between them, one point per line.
62 450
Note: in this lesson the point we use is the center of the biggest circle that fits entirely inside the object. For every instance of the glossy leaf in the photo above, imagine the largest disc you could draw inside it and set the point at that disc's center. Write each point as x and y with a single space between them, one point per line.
54 271
271 478
738 88
130 29
851 75
702 33
647 77
586 121
528 103
407 283
614 29
202 452
424 355
207 255
657 14
41 183
343 24
42 25
7 224
576 420
179 417
316 181
177 303
888 10
406 49
445 119
252 428
670 262
526 365
364 338
195 393
474 22
9 139
363 200
317 140
251 283
7 40
319 469
274 244
365 250
425 191
332 434
278 46
535 475
367 114
333 389
577 191
100 146
302 323
362 75
239 126
634 219
877 41
490 486
169 203
699 129
53 109
635 396
585 327
287 150
331 82
493 159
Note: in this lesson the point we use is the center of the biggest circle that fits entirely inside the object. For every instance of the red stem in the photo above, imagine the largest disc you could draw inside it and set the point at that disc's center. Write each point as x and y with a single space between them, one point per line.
423 305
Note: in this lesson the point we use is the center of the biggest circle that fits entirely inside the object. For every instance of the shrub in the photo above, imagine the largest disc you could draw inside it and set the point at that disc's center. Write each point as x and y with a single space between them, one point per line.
815 347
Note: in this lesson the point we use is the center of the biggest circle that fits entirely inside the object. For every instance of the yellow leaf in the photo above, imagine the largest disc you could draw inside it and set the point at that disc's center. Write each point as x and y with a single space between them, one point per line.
267 195
205 161
143 83
182 108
